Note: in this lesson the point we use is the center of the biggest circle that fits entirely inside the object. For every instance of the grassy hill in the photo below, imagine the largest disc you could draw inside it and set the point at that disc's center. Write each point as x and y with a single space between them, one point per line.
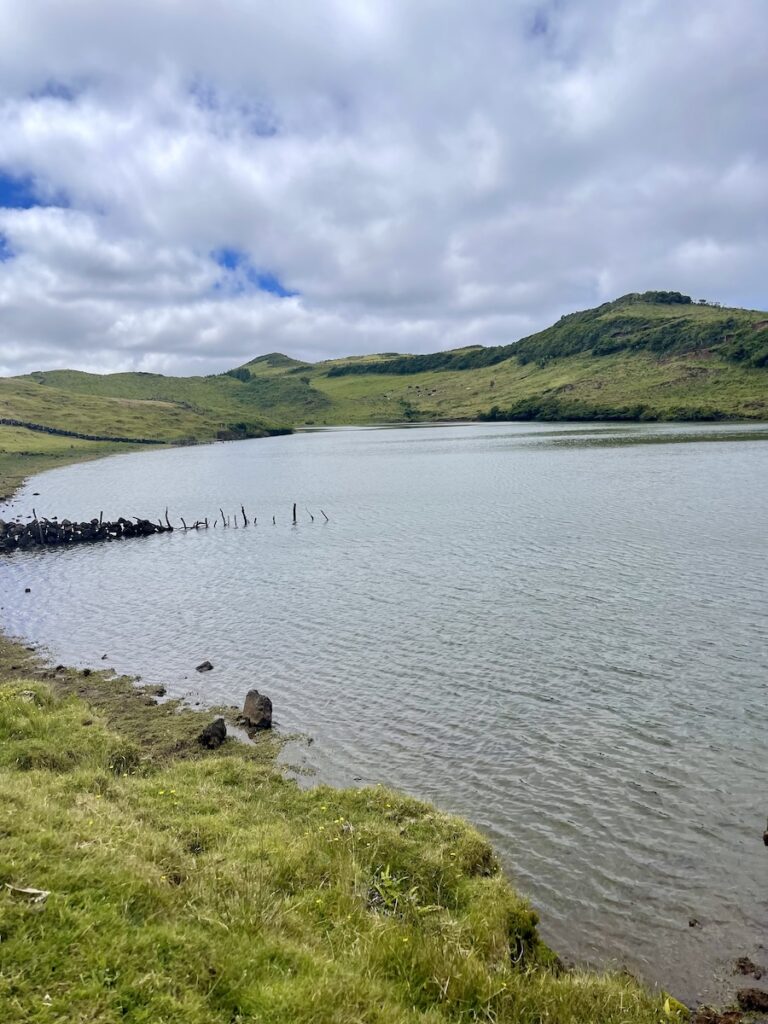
655 356
651 356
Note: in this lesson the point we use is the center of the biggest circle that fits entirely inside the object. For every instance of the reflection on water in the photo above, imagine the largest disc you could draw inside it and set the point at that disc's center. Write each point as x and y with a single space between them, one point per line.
564 642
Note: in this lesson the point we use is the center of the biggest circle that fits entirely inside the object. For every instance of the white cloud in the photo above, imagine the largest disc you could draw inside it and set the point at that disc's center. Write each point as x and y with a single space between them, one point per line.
423 175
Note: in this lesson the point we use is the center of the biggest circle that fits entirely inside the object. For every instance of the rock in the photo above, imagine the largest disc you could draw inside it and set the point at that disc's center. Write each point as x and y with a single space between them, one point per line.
257 710
708 1015
694 922
27 590
204 666
213 735
745 966
755 999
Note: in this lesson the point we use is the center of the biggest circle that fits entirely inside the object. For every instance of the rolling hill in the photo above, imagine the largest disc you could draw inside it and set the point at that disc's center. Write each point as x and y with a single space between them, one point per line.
649 356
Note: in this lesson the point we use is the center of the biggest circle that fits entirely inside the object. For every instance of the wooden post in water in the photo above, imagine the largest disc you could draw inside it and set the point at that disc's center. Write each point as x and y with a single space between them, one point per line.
310 515
39 527
326 517
223 517
245 517
294 513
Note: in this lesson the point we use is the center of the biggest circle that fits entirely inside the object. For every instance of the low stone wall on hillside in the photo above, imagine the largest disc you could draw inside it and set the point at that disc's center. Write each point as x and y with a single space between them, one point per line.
59 432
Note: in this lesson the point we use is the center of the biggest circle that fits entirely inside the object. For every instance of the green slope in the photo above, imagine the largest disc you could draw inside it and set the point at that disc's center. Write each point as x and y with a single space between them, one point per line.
650 356
655 356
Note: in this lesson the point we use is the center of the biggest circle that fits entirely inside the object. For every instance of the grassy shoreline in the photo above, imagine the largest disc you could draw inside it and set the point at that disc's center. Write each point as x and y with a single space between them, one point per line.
196 886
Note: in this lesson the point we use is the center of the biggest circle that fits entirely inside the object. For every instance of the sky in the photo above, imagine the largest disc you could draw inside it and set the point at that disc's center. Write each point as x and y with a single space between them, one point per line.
187 184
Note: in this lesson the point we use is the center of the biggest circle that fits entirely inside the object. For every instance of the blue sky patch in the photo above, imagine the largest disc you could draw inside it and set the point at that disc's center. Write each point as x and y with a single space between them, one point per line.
242 276
22 192
6 253
17 193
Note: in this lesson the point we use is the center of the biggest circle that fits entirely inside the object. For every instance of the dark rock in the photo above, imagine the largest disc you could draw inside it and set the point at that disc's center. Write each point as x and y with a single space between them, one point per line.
104 657
86 671
257 710
204 666
745 966
213 735
27 590
754 999
709 1015
694 922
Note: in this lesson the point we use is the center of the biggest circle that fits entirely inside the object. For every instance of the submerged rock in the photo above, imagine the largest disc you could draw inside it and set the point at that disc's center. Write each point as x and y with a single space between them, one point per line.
257 711
204 666
754 999
213 735
746 966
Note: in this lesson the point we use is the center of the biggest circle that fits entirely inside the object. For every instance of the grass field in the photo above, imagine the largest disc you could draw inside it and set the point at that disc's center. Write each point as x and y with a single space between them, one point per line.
197 888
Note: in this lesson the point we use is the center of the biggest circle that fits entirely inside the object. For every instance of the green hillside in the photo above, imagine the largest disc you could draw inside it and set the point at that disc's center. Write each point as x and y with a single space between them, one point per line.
656 356
651 356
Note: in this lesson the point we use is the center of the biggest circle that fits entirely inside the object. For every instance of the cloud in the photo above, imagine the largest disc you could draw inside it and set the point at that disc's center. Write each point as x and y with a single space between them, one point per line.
184 186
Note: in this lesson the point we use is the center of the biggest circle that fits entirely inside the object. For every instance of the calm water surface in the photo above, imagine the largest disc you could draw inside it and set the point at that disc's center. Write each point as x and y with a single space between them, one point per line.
563 640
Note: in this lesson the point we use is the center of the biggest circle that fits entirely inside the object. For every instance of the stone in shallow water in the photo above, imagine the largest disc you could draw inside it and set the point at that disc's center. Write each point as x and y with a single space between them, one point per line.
755 999
257 710
204 666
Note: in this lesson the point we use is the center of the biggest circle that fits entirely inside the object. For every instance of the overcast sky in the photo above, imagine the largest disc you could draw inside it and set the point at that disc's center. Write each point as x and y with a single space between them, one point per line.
186 184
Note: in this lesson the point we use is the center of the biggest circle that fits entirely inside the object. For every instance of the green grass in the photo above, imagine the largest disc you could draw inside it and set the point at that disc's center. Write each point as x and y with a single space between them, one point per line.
211 889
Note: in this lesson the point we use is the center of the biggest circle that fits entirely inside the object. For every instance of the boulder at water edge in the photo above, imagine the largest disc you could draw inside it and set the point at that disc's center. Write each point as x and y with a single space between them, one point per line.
257 710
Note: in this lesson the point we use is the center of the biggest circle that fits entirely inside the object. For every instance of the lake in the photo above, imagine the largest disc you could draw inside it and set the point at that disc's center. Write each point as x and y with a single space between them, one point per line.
551 629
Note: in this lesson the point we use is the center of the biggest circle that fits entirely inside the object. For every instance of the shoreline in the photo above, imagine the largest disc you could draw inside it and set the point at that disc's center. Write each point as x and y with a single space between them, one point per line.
166 731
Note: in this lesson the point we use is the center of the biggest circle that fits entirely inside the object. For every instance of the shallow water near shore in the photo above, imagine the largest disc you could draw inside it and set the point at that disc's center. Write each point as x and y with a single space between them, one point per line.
551 629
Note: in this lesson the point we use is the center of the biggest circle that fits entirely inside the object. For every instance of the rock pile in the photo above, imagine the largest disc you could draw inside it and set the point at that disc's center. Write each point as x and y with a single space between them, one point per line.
47 532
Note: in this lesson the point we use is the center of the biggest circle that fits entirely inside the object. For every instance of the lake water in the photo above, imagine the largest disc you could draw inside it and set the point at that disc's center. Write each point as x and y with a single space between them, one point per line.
559 635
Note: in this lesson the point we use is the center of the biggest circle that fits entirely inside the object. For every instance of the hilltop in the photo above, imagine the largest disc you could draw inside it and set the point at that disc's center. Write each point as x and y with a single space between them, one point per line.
651 356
